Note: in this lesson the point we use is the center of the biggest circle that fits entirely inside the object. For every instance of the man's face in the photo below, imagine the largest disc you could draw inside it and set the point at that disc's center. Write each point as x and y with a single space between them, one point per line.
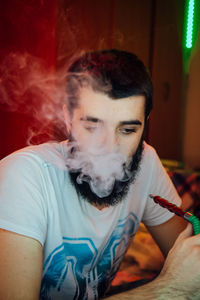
110 123
100 122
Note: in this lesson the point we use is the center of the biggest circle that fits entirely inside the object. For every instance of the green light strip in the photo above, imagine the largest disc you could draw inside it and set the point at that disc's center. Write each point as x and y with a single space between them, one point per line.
190 24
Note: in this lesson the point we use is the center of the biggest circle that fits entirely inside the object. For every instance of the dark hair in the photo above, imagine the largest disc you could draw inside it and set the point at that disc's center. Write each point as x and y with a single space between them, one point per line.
119 74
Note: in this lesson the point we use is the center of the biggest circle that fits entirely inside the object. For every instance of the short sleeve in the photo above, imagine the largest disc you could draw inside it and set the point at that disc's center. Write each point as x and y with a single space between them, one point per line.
22 195
162 186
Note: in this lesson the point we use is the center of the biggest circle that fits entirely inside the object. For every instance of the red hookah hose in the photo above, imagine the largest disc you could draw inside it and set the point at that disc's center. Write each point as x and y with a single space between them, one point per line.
179 212
170 206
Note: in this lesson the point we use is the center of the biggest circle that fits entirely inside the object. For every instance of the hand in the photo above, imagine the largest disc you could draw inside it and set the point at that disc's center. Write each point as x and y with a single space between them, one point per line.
181 270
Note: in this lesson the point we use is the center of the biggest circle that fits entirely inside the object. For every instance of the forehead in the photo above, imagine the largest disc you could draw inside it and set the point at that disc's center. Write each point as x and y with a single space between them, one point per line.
101 106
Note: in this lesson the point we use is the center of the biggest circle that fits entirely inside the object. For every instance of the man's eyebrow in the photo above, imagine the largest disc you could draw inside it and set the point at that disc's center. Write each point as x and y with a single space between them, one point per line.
131 122
90 119
96 120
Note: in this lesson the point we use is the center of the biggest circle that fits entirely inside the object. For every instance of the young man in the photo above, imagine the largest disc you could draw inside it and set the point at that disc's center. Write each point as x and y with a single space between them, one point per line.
68 211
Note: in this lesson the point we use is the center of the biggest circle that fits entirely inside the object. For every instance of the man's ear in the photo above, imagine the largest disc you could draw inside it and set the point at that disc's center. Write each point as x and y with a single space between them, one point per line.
67 119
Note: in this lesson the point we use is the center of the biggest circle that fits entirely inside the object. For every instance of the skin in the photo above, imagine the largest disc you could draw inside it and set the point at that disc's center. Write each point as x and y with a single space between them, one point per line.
21 257
20 267
120 125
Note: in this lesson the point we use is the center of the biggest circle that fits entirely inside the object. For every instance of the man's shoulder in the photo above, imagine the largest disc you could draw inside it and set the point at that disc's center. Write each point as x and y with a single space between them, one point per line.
150 160
148 151
36 155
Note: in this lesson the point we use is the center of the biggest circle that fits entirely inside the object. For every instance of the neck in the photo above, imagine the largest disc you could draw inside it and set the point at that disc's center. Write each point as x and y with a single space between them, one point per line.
99 206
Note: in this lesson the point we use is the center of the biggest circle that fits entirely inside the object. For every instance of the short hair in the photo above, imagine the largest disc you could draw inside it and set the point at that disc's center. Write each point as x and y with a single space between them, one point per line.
117 73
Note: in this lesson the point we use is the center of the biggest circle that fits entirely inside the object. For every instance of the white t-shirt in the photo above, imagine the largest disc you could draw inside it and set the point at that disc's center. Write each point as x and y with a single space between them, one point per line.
82 246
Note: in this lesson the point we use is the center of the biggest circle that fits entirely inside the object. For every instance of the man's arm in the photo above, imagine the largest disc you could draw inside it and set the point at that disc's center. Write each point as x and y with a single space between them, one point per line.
166 234
180 276
20 267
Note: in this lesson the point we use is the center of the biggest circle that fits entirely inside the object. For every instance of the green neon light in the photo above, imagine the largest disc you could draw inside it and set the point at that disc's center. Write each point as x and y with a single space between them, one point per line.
190 24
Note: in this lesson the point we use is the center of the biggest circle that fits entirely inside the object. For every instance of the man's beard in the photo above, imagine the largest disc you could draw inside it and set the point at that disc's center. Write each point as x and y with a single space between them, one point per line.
120 188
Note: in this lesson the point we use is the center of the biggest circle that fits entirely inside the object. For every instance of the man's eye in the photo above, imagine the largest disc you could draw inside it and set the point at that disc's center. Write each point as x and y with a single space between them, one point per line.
90 128
127 130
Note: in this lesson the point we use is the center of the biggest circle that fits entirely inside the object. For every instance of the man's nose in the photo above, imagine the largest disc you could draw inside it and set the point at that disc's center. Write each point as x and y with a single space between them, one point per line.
110 141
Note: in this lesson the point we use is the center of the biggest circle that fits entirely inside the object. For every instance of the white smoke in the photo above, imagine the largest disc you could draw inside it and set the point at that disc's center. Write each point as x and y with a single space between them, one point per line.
28 86
98 167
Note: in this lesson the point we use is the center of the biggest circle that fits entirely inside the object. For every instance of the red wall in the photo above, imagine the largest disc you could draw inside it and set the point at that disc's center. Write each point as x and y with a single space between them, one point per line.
25 26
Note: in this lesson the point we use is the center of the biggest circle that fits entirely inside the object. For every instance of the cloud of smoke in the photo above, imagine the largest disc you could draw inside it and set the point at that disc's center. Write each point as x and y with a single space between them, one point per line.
28 86
98 167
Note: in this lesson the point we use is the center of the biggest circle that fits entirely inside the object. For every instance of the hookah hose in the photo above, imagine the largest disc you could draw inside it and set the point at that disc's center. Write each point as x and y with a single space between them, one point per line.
179 212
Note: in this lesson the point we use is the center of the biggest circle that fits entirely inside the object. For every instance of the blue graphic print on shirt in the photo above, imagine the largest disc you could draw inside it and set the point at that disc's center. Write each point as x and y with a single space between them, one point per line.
78 270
